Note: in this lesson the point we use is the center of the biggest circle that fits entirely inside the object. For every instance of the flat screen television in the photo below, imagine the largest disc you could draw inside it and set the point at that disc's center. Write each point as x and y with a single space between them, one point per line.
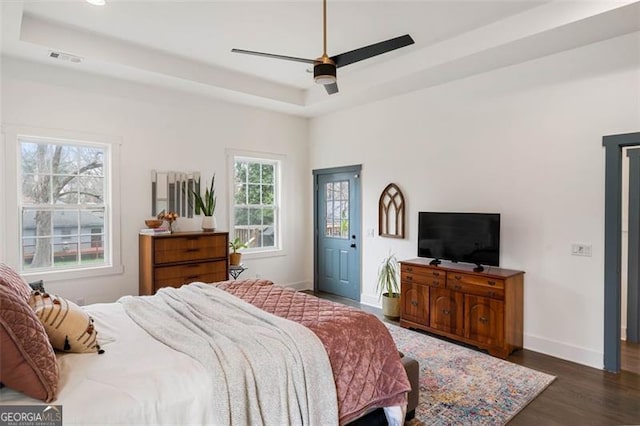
460 237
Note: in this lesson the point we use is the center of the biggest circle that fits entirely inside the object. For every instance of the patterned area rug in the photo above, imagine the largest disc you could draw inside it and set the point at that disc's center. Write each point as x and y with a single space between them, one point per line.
460 386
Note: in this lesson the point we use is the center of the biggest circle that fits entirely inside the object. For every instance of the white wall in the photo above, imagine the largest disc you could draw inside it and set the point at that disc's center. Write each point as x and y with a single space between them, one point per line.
524 141
162 130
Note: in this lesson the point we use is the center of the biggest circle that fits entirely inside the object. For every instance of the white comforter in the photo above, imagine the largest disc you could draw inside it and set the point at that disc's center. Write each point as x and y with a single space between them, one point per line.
265 370
138 380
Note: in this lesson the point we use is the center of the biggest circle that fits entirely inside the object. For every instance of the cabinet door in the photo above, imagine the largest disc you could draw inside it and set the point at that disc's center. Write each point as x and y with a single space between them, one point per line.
415 303
484 320
446 310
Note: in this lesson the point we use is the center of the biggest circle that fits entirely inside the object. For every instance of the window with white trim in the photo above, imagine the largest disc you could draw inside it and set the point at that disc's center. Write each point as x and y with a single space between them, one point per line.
255 209
64 200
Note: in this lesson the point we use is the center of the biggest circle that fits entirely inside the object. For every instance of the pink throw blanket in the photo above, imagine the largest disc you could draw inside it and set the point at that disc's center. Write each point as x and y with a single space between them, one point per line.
366 366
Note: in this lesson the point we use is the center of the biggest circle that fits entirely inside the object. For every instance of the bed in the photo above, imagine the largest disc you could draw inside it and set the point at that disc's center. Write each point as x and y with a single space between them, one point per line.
151 372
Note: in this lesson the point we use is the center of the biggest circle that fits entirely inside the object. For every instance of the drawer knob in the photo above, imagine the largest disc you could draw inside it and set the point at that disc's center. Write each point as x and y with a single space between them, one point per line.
409 269
409 277
436 283
192 250
491 293
491 282
483 320
436 274
446 311
457 277
414 303
457 286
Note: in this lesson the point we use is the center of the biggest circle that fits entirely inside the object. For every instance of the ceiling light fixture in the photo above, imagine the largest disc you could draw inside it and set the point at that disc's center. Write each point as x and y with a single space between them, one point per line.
97 2
324 71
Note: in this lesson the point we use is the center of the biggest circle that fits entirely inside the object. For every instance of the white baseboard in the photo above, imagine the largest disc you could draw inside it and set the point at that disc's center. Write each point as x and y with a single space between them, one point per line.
562 350
543 345
623 333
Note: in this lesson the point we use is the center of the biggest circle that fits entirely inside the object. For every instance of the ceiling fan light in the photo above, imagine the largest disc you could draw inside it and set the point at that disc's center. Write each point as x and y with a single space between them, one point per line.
325 79
324 73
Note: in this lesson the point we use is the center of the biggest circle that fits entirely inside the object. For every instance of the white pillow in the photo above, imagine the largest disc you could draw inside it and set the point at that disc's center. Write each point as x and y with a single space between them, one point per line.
70 329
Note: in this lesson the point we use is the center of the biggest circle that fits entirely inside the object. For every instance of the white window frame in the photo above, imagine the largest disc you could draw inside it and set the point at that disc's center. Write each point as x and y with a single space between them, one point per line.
279 219
10 251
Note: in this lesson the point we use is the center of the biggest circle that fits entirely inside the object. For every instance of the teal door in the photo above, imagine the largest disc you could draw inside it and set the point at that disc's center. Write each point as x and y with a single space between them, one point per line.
337 231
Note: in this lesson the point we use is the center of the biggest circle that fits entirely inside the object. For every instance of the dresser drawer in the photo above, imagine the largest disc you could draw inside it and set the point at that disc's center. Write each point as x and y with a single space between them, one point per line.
428 272
479 290
453 277
430 280
426 276
190 247
175 276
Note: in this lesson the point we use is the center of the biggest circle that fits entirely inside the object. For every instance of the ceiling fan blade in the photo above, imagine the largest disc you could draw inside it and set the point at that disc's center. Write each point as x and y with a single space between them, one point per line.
372 50
331 88
271 55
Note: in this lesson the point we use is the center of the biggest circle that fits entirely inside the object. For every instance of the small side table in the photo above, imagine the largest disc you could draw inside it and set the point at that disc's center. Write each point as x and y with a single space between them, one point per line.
236 270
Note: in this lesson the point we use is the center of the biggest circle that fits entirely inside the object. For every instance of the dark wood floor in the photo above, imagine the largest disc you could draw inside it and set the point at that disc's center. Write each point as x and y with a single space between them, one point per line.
580 395
630 357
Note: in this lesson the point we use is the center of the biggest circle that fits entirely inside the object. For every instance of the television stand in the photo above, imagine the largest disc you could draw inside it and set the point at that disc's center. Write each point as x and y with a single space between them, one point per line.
484 309
435 262
478 268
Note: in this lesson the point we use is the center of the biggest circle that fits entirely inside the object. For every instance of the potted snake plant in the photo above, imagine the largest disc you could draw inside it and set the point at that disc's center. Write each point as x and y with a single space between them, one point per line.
207 205
389 287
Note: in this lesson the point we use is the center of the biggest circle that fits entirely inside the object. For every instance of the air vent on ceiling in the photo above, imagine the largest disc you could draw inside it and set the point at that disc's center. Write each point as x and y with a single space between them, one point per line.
65 57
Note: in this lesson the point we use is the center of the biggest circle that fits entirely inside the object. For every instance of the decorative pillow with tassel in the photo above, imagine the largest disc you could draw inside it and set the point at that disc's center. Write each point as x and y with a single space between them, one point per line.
70 329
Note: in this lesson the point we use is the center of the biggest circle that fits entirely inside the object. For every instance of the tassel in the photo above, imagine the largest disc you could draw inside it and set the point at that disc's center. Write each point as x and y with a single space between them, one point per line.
67 346
100 351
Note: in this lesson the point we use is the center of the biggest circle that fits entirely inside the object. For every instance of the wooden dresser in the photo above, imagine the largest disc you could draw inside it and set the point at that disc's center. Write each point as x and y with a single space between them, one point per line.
484 309
182 257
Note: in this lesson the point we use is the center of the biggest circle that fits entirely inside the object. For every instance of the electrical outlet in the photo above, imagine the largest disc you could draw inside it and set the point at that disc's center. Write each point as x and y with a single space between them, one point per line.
581 250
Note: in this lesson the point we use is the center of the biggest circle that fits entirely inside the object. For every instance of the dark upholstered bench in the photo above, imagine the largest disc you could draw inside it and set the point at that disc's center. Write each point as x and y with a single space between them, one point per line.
376 417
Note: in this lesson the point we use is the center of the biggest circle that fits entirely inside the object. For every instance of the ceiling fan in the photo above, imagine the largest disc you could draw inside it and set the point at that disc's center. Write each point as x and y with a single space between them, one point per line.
324 67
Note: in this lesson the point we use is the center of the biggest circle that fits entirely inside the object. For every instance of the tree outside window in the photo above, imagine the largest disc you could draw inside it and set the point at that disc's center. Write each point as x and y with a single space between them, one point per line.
255 202
63 204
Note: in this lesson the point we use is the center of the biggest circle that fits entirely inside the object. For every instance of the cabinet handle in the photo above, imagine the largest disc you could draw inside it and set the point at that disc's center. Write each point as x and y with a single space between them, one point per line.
491 282
446 311
457 277
192 277
435 283
409 278
191 238
191 250
483 320
457 287
491 293
409 269
414 303
436 274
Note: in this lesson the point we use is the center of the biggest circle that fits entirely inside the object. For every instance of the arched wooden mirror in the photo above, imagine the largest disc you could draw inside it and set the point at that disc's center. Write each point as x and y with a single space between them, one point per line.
391 212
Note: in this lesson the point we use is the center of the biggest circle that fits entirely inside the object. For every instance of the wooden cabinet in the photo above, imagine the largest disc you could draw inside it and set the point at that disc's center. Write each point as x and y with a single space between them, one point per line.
446 310
484 309
182 257
415 302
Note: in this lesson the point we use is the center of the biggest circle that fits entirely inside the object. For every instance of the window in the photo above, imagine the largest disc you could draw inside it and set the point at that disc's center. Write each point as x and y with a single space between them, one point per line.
255 209
64 202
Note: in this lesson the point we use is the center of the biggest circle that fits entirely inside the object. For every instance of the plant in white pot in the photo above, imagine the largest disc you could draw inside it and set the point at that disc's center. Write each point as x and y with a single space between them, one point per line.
235 256
389 287
207 205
